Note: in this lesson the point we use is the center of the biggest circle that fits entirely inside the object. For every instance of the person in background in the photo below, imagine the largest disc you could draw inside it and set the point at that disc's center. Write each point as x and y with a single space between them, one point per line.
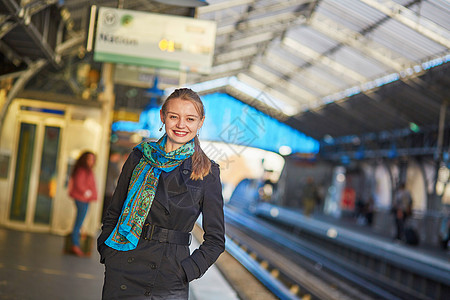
82 189
310 196
444 230
111 179
402 210
369 211
162 189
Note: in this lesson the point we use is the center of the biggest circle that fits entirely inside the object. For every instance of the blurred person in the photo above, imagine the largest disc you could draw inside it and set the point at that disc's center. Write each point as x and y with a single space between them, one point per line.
310 196
162 189
369 211
266 187
402 210
444 230
360 212
82 189
111 179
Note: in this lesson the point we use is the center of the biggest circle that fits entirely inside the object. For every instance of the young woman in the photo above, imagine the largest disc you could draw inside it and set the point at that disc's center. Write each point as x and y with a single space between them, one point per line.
83 190
162 189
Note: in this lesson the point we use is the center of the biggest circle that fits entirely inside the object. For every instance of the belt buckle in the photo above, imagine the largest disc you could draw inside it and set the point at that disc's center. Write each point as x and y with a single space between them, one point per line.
145 231
151 232
190 239
148 233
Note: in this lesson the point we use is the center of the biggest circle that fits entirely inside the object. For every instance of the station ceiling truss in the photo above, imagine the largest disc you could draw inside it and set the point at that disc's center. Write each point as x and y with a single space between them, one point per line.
334 68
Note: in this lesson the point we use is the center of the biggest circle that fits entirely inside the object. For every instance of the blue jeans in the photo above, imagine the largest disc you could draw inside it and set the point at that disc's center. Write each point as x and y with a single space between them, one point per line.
82 208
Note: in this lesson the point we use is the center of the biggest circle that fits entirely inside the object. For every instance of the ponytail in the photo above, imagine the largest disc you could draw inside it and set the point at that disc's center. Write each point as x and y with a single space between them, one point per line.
201 165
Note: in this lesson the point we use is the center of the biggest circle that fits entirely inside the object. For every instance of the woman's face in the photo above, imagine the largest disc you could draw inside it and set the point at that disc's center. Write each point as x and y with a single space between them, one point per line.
182 121
90 160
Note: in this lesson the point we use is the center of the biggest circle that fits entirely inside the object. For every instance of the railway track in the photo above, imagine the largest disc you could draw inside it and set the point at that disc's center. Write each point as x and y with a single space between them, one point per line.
298 279
306 270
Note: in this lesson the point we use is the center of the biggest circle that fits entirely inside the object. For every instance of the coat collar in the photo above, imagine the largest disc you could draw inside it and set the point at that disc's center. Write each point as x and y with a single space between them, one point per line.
187 164
174 183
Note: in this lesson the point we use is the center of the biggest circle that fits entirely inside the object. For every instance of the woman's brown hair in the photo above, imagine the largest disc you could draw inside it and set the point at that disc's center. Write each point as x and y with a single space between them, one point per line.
201 165
82 162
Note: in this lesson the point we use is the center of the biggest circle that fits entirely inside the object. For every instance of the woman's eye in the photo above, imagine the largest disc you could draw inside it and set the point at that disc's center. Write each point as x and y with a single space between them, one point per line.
173 117
191 119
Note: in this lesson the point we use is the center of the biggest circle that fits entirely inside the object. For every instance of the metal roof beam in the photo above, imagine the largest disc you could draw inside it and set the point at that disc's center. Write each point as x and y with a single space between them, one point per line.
332 123
255 10
250 40
37 6
385 105
28 10
33 69
222 6
288 105
75 41
269 23
4 18
280 5
23 16
303 51
421 87
270 32
272 80
291 70
357 119
260 102
407 17
274 22
11 55
358 41
234 65
196 78
6 27
236 54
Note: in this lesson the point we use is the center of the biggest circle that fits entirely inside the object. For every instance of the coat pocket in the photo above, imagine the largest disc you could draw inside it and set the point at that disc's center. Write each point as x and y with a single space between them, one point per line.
182 253
171 269
108 252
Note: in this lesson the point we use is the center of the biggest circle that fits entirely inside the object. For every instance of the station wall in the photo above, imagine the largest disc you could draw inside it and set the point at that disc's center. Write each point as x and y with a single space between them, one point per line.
40 142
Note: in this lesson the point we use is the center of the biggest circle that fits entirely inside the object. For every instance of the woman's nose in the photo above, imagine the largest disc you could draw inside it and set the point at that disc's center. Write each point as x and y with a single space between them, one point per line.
181 123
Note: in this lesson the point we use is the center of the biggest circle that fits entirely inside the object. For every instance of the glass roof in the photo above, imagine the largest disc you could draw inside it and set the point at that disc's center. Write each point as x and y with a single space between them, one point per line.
323 48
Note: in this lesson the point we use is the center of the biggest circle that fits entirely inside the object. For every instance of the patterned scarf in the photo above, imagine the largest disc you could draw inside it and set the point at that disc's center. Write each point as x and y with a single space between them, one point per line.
142 189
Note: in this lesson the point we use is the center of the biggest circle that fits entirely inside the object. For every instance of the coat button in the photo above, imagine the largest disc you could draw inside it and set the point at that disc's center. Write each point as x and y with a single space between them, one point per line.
153 266
123 287
147 294
166 212
185 172
130 260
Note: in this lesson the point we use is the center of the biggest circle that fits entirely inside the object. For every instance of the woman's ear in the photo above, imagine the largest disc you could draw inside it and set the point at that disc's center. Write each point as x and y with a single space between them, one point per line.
161 114
201 122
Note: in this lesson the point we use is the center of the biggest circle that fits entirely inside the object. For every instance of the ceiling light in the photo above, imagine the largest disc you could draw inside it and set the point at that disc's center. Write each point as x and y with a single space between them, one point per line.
186 3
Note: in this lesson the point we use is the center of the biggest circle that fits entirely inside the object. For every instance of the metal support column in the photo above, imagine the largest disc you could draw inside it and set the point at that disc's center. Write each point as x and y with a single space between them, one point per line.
435 200
107 98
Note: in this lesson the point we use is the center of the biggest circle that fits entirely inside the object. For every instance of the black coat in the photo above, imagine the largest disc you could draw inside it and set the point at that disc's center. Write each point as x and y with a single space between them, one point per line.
156 270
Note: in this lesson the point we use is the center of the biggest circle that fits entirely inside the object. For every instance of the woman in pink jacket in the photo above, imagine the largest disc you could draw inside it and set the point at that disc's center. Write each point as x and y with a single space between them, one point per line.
83 190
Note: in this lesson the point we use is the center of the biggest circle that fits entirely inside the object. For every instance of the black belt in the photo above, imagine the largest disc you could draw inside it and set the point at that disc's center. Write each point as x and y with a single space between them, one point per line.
164 235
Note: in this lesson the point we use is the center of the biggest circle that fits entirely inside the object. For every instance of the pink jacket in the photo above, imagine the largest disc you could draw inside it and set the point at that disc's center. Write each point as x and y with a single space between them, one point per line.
82 186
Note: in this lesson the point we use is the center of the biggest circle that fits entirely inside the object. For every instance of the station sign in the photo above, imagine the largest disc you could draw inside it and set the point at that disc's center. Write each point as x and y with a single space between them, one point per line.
154 40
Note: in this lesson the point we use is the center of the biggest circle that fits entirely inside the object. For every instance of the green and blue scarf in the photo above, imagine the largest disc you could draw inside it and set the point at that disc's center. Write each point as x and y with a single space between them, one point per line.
142 190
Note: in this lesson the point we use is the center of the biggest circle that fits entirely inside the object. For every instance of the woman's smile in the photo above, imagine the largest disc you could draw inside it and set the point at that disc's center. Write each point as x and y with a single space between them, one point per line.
180 133
182 121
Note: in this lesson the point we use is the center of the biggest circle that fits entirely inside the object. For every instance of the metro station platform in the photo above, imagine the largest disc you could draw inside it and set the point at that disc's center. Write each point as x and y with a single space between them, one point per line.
346 232
33 267
427 253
